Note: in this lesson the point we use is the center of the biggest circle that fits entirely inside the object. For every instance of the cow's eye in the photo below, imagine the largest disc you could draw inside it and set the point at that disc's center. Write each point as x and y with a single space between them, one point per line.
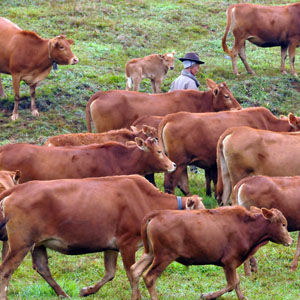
159 152
226 96
61 47
284 225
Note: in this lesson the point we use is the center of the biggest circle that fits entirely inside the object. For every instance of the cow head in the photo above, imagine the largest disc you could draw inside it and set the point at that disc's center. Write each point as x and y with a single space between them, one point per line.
60 51
146 131
168 60
8 179
194 202
277 225
156 156
293 121
222 96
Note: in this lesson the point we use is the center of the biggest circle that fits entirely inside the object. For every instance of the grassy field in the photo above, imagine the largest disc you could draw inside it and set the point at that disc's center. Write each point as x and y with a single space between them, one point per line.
107 34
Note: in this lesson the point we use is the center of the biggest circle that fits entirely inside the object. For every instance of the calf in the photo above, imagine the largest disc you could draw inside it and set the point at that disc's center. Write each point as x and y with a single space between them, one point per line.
112 158
244 151
272 192
122 136
277 26
205 237
28 57
154 67
78 216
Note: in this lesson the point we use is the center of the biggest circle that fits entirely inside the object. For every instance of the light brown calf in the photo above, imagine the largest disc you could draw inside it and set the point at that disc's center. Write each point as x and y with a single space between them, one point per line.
46 163
78 216
191 138
245 151
272 192
121 136
28 57
119 109
223 237
154 67
264 26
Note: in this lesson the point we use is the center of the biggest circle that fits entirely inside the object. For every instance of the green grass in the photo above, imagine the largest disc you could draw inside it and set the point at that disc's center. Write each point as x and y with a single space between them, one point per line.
107 34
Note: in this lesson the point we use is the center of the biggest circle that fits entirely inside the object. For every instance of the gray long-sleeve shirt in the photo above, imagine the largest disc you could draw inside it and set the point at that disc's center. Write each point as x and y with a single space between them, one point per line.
186 81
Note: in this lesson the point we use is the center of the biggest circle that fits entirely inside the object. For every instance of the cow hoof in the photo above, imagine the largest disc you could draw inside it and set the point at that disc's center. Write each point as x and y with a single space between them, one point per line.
35 113
14 117
86 291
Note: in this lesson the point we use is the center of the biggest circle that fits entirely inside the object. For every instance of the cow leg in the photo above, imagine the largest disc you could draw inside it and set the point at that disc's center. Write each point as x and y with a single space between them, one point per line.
110 263
171 179
158 265
233 282
136 272
208 179
242 55
4 250
11 262
34 110
292 52
153 86
183 182
150 178
295 260
40 264
283 57
136 82
2 93
16 87
158 85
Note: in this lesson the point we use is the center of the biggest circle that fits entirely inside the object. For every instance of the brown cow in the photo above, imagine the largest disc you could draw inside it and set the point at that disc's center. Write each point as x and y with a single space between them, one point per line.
119 109
77 216
223 237
121 136
244 151
272 192
152 121
264 26
191 138
28 57
154 67
112 158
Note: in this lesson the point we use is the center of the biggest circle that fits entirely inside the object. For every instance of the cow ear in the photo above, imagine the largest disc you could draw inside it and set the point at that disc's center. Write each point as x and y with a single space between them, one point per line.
255 210
17 176
149 131
70 41
267 213
216 91
211 84
141 144
292 120
134 129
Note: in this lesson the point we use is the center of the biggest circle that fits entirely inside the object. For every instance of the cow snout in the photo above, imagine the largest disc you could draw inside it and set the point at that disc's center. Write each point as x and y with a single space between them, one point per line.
173 168
74 60
171 68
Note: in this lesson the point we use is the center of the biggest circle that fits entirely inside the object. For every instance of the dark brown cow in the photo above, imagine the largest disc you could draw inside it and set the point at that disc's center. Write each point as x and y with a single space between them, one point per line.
28 57
77 216
191 138
244 151
264 26
273 192
46 163
223 237
119 109
120 135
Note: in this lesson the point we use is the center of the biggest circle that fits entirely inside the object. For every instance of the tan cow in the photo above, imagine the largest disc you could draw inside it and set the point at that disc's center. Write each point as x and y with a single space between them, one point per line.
272 192
112 158
119 109
120 135
78 216
154 67
28 57
244 151
191 138
224 237
264 26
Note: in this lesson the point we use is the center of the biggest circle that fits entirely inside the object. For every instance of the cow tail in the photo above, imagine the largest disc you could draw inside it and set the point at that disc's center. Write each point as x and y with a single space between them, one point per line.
144 232
228 25
3 232
88 114
128 83
160 134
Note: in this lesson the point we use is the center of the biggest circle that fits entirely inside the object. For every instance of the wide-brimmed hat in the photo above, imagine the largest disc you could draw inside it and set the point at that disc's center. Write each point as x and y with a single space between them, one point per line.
192 56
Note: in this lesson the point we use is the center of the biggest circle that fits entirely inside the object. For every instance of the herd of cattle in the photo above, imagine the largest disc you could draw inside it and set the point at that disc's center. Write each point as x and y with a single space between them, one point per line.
80 193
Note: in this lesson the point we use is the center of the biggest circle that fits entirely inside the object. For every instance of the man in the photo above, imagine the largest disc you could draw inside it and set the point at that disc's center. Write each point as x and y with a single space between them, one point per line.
187 79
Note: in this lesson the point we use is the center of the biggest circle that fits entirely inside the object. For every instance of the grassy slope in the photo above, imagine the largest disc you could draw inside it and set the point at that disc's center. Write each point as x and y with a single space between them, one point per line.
107 34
